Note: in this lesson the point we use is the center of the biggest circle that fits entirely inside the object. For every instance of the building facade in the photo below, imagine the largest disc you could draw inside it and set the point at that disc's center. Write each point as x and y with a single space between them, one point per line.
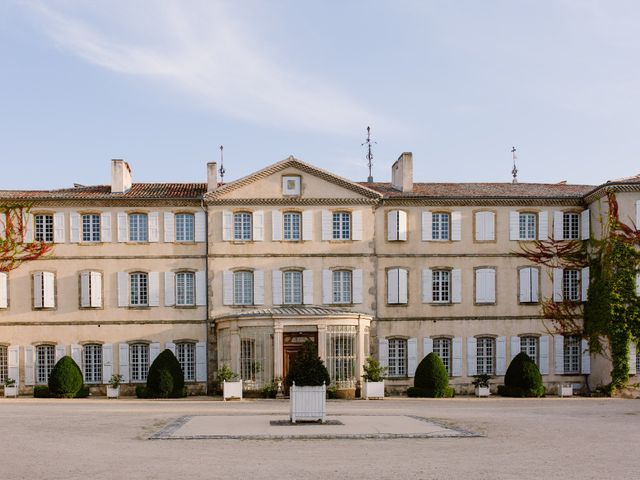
243 273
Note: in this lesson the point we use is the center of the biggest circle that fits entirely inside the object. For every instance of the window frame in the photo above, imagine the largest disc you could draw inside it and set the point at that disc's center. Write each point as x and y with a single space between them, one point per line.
4 364
297 274
183 228
485 350
92 362
529 344
291 228
441 226
182 292
245 295
571 226
527 226
186 355
341 225
94 234
141 352
342 286
248 359
440 345
571 285
141 290
397 358
44 362
45 231
242 226
440 282
137 229
572 354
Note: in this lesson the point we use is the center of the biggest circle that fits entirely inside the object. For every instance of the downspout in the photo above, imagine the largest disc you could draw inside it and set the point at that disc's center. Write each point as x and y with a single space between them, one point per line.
206 281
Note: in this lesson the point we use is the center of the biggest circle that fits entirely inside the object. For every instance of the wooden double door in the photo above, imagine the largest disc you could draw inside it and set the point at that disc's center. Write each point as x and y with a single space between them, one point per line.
292 342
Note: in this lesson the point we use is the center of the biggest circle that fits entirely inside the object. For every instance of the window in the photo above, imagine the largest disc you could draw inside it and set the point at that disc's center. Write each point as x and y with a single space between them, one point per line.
529 345
138 227
572 354
397 279
242 226
91 227
291 185
341 226
243 288
4 364
442 348
527 225
139 361
397 357
185 227
484 355
637 359
184 289
396 225
248 359
90 289
43 228
44 290
45 360
571 285
570 226
441 281
92 363
291 224
341 355
485 226
186 354
292 287
139 289
529 284
440 226
341 286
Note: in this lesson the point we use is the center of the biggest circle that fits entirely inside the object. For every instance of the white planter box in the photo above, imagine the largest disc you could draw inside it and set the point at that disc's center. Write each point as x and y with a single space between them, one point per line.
11 391
232 390
482 392
565 390
308 403
113 392
373 390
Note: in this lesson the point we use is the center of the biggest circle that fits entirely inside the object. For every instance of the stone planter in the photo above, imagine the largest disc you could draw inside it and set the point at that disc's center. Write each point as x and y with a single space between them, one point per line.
113 392
373 390
308 404
232 390
11 391
482 392
565 390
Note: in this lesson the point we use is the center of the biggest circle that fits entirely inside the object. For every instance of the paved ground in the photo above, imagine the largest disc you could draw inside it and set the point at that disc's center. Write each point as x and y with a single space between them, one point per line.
543 438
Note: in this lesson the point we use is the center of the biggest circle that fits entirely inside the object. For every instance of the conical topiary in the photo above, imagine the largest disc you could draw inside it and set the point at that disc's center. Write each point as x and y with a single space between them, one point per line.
522 379
307 370
165 366
431 379
65 380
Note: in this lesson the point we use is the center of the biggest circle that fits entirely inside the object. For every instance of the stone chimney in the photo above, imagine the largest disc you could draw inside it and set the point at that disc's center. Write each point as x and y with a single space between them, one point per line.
402 173
120 176
212 177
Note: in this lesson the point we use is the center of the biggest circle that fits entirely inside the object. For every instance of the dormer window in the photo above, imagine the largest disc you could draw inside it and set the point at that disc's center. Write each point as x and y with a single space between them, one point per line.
291 185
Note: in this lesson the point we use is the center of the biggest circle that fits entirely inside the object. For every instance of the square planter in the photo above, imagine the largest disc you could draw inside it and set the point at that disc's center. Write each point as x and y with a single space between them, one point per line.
565 390
11 391
232 390
373 390
113 392
482 392
308 403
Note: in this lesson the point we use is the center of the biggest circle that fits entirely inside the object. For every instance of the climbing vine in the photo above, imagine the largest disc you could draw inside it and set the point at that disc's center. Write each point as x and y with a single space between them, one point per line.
14 248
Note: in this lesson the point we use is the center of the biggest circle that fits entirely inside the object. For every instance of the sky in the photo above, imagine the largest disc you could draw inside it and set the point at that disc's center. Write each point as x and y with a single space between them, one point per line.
163 84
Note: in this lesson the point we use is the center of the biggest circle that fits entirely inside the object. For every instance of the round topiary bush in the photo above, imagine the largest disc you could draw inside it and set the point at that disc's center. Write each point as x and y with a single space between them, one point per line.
431 379
307 370
65 380
522 379
165 377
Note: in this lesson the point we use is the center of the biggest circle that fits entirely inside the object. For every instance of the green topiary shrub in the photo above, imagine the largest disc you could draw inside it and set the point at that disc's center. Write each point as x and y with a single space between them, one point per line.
307 370
65 380
165 377
431 379
41 391
522 379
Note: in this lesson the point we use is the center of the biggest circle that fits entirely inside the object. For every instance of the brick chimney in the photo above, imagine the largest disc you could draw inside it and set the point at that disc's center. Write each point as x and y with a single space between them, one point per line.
120 176
212 177
402 173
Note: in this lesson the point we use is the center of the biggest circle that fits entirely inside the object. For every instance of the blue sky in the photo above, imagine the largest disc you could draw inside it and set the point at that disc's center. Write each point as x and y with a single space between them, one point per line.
162 84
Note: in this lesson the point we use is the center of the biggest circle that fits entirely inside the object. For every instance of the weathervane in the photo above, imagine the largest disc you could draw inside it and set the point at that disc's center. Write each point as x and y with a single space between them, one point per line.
221 169
514 171
368 143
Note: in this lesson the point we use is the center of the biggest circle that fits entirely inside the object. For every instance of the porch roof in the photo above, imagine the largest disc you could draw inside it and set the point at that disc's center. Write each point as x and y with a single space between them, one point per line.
294 311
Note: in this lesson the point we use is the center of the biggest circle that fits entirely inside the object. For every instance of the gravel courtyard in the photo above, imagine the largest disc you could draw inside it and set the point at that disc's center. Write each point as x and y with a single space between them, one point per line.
542 438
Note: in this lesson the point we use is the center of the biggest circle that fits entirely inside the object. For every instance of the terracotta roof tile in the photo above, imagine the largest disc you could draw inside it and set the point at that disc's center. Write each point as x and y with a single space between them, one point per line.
100 192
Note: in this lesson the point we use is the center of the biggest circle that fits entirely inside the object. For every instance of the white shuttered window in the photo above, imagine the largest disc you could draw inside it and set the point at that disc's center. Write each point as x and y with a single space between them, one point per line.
397 286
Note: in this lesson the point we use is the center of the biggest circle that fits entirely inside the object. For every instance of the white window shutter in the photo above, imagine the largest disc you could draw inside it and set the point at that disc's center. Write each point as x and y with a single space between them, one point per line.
201 362
392 225
427 226
585 224
535 284
638 284
525 285
154 289
29 361
356 225
258 225
171 347
307 287
383 352
307 225
456 285
122 227
76 355
258 287
480 224
402 225
544 355
557 285
558 341
201 288
327 225
456 226
49 284
154 226
472 356
489 226
456 354
427 285
74 225
276 225
61 351
28 229
154 351
490 285
403 286
632 359
227 226
427 346
543 225
514 225
586 358
327 286
85 289
37 290
169 289
58 227
356 280
392 285
412 356
123 289
123 361
96 289
481 287
585 283
4 300
105 227
515 347
169 227
276 287
200 227
501 355
107 362
227 287
558 227
13 363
